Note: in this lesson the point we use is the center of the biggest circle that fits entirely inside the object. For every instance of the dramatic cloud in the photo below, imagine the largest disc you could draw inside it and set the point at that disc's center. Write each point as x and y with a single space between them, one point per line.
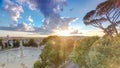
31 3
14 9
49 8
19 27
51 25
24 27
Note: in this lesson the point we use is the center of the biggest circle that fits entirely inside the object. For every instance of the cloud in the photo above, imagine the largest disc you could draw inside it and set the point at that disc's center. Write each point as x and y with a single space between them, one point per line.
49 8
19 27
51 11
50 25
21 1
14 9
30 19
31 4
24 27
75 31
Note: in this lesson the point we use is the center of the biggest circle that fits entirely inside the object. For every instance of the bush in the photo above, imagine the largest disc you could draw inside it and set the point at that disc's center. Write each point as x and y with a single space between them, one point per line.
32 43
1 44
81 49
105 53
56 50
52 52
39 64
16 43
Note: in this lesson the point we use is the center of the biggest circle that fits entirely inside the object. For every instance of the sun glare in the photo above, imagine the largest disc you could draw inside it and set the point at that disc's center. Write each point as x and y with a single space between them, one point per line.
63 33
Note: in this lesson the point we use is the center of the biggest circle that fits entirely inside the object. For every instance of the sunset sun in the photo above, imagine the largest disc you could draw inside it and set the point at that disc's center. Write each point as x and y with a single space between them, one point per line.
63 32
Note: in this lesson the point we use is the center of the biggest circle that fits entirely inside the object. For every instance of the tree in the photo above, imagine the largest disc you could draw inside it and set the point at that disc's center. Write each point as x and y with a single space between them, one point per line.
92 19
56 50
32 43
105 12
1 44
52 52
104 53
81 50
16 43
69 45
111 10
45 40
39 64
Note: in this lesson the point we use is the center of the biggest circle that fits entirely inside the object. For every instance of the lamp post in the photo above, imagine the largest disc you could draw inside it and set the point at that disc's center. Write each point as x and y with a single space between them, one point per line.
7 47
21 50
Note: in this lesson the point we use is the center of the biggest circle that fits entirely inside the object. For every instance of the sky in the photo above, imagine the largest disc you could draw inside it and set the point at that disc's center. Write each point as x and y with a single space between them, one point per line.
46 17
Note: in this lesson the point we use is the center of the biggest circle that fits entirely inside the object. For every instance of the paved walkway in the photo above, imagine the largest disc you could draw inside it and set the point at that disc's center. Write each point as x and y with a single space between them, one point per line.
12 58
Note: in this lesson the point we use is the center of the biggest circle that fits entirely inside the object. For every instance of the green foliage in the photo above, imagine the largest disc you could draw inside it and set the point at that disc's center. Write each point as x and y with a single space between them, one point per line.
105 12
1 45
105 53
0 42
56 50
32 43
47 39
88 52
91 52
69 45
81 50
16 43
39 64
25 44
51 52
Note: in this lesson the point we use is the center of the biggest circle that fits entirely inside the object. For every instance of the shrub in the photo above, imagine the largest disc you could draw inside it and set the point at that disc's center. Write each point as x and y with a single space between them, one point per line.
16 43
105 53
1 44
32 43
81 49
39 64
56 50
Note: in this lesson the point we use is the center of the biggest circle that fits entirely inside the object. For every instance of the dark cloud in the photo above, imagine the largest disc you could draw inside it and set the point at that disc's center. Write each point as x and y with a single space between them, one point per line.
49 8
18 27
51 11
24 27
